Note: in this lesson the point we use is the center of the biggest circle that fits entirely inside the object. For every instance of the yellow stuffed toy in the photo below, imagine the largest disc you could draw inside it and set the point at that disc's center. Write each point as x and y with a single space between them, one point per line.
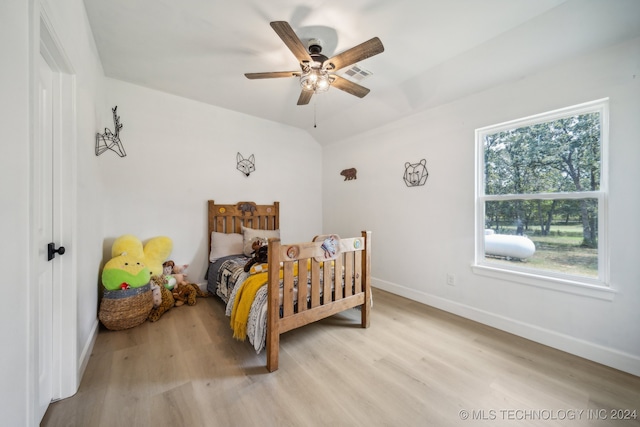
123 272
153 254
133 264
157 250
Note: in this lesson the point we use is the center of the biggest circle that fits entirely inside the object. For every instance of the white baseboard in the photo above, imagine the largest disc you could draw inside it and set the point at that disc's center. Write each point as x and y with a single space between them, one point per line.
202 286
85 355
604 355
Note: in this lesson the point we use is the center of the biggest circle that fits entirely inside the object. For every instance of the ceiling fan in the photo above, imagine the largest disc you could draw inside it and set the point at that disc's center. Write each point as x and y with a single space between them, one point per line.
316 70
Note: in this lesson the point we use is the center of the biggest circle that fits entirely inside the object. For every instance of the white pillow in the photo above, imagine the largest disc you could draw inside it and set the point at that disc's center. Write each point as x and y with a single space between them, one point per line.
250 235
225 244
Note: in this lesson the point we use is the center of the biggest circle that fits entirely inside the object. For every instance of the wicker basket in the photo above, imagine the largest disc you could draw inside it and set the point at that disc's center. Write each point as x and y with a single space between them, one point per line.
123 309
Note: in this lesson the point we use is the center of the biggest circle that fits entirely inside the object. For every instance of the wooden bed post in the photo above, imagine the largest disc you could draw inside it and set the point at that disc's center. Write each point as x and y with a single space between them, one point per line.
366 280
273 305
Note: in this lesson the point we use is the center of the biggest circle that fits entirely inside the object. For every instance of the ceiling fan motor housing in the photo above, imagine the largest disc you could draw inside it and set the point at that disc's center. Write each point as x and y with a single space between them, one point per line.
315 47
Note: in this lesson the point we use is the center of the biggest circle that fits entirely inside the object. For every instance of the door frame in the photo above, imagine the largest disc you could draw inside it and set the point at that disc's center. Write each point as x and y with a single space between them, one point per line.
65 358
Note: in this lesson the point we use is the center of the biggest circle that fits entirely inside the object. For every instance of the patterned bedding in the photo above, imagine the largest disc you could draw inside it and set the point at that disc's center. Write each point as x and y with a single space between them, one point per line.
225 278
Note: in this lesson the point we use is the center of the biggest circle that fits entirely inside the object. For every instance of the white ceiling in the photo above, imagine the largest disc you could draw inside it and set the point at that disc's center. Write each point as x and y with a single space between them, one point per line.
435 50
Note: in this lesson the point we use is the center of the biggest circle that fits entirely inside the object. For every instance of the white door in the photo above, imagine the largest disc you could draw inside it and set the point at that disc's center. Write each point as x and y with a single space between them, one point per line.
43 222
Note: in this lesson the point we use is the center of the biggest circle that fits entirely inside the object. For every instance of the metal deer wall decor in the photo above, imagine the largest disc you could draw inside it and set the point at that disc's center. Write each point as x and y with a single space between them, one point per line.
109 140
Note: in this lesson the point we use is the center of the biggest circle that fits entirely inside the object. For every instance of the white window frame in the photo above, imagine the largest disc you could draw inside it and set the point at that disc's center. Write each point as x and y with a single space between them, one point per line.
594 287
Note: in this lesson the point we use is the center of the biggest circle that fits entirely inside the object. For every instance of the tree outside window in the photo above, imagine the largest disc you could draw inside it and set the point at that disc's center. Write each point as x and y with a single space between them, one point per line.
540 179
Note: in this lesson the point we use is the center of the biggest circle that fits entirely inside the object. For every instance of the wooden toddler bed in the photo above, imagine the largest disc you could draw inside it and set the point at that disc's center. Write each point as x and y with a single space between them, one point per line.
336 271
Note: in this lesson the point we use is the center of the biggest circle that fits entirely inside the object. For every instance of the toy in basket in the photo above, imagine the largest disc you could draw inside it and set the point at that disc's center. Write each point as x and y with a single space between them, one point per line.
127 299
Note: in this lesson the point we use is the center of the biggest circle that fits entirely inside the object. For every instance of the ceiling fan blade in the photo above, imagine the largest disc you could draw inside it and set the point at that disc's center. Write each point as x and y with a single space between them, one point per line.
272 75
357 53
349 87
289 37
305 97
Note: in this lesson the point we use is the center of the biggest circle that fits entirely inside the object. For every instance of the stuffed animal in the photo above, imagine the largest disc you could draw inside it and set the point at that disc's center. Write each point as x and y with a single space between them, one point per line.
179 273
180 269
187 293
183 292
162 298
153 253
260 254
155 290
123 272
133 264
174 273
167 270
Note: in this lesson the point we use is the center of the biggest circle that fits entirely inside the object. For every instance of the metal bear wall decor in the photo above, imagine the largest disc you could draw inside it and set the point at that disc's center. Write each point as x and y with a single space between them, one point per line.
246 166
415 174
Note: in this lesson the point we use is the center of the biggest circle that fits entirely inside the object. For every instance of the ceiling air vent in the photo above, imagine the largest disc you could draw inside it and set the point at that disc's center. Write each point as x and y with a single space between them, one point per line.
356 73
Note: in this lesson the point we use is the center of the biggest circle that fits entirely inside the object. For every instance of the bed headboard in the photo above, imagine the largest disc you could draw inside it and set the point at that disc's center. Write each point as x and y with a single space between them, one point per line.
230 218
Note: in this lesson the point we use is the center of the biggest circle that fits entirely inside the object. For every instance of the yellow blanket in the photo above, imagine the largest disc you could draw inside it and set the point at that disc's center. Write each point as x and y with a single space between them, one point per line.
242 303
244 298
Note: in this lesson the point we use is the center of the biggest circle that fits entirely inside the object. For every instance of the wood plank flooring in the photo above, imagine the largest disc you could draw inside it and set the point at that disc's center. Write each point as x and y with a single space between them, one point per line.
415 366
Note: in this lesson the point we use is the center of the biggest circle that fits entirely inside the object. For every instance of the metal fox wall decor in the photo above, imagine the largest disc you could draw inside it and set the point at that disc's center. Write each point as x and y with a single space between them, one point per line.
246 166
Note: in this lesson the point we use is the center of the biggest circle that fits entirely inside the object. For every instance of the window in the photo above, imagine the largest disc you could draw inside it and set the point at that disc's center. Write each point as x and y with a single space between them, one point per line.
541 196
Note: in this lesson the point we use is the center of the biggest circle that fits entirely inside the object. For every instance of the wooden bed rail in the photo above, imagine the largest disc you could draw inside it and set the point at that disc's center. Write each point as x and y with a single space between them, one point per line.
335 284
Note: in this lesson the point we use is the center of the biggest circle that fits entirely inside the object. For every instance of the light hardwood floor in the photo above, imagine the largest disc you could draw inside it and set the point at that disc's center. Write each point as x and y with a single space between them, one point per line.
415 366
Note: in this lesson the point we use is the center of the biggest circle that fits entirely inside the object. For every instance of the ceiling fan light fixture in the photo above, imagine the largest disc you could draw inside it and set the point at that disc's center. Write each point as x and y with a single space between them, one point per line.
315 80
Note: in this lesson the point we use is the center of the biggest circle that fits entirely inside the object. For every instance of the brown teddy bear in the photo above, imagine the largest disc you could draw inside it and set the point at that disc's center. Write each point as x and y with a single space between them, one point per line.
162 297
183 292
187 293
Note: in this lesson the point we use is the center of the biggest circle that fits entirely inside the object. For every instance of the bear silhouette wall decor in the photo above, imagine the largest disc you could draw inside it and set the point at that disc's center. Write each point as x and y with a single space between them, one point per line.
415 174
246 166
349 174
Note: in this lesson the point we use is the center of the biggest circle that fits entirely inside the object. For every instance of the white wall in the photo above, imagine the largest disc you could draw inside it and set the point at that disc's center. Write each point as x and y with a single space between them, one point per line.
420 234
14 165
19 43
181 153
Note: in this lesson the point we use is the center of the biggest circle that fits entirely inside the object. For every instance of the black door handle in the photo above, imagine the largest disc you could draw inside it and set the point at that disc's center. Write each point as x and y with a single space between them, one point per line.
52 251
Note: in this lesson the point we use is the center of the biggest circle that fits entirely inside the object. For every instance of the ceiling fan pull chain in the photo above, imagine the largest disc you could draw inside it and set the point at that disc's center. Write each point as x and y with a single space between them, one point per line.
315 104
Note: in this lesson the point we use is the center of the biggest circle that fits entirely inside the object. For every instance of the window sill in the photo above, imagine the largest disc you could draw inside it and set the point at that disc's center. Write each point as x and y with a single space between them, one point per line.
555 284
